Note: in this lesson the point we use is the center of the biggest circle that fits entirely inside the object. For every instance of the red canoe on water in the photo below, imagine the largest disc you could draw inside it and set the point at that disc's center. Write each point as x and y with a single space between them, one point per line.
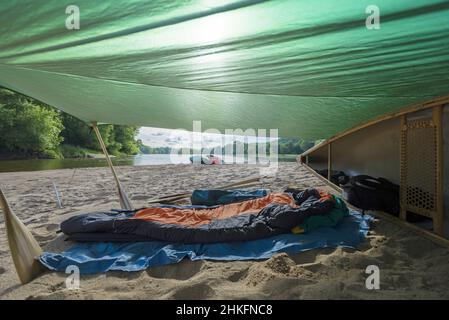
208 159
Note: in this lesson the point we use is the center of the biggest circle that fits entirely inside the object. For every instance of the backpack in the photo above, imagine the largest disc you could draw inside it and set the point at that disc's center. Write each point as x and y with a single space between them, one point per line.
337 177
368 193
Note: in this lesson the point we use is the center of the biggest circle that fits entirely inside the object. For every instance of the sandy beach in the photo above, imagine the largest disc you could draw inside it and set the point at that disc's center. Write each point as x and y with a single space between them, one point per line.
411 267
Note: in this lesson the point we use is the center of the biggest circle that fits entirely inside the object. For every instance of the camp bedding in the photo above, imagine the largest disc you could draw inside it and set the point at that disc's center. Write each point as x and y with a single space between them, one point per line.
331 219
274 218
195 217
104 256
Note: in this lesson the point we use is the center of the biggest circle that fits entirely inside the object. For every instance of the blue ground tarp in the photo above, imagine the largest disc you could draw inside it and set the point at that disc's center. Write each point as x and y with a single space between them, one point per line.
101 257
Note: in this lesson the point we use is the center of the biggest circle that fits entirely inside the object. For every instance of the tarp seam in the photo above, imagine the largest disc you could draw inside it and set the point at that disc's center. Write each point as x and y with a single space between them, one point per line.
210 90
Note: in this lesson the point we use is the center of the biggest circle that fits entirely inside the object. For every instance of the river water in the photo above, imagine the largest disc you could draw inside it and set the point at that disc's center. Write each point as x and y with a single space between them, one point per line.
138 160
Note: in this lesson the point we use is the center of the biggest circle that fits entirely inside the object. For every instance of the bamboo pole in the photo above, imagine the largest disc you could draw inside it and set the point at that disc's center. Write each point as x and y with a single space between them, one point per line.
23 246
125 202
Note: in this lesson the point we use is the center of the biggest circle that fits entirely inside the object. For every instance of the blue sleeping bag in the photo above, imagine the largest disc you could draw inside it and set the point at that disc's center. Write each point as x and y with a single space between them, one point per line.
212 197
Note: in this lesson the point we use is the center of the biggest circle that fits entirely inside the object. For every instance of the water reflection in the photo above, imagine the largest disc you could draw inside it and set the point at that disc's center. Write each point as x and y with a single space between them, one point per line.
138 160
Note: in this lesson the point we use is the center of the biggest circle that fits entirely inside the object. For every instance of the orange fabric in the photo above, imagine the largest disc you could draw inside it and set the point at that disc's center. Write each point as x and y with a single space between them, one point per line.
325 196
195 217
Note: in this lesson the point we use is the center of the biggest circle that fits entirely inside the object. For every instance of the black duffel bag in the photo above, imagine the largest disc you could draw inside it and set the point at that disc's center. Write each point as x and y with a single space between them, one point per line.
368 193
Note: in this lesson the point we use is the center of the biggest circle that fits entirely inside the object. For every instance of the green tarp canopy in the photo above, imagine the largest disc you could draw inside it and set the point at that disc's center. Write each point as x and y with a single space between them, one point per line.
309 68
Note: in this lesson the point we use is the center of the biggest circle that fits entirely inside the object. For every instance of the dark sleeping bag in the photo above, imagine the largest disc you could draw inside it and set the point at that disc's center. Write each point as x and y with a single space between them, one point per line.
271 220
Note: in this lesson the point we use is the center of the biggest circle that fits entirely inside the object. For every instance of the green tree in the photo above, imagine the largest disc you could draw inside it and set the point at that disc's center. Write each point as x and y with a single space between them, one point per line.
125 136
118 139
28 128
76 132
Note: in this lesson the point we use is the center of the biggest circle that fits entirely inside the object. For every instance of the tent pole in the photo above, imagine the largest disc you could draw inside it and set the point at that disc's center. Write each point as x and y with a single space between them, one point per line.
125 202
23 246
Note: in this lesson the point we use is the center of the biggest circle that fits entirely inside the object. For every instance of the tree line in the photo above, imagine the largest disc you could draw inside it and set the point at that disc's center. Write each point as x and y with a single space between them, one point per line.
31 129
285 146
